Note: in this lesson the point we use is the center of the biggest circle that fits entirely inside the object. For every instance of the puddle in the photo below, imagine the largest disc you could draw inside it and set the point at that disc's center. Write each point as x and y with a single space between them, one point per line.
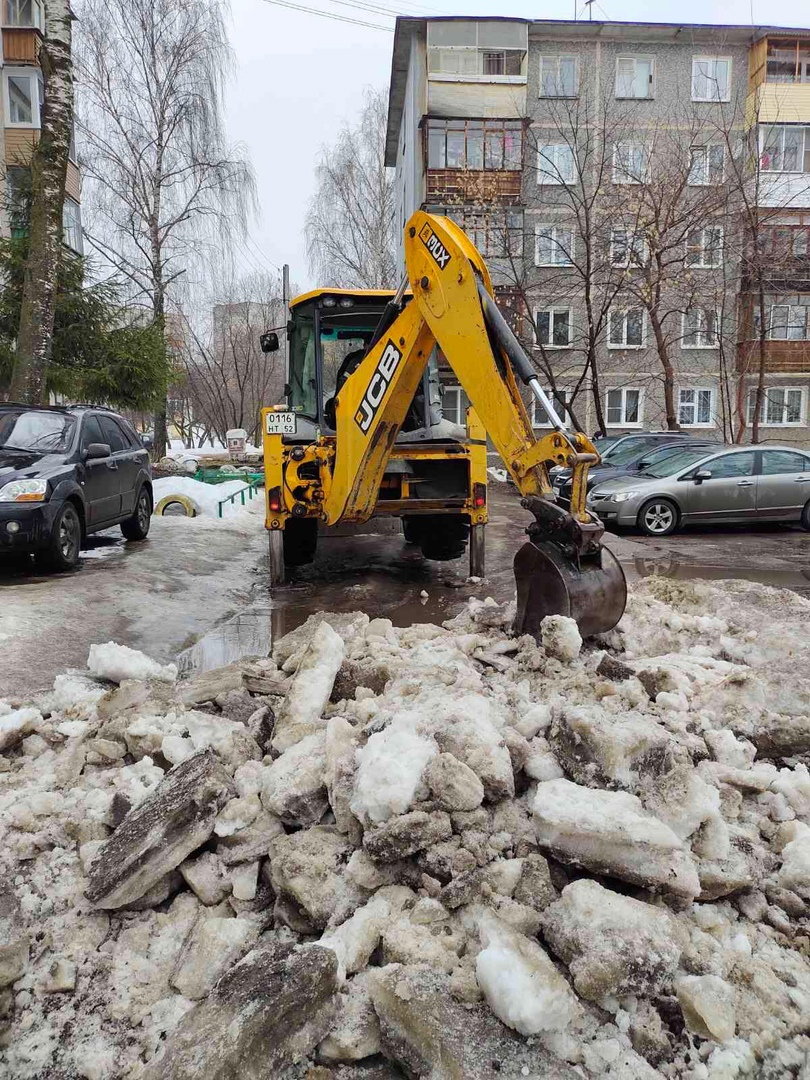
247 634
672 566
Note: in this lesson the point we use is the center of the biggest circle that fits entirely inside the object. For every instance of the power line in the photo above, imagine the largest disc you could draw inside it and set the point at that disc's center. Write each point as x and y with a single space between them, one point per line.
330 15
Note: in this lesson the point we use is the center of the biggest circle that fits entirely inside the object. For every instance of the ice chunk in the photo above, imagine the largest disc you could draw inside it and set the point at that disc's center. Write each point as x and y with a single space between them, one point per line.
707 1002
15 725
593 744
560 637
453 783
310 688
119 662
795 871
294 786
389 773
214 946
609 832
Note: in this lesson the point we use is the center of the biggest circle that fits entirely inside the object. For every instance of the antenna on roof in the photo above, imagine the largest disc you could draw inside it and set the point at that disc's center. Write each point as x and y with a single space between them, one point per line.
589 6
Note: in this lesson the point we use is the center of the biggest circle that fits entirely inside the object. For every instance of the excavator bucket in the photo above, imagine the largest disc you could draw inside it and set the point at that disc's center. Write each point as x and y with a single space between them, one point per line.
552 580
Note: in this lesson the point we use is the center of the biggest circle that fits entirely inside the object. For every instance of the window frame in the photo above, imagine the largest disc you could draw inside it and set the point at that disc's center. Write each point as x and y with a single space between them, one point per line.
552 310
695 422
456 389
704 248
623 312
544 177
624 390
788 322
635 238
620 176
557 59
487 126
73 227
706 150
650 82
479 50
702 332
697 59
764 421
37 22
465 216
565 391
553 226
34 78
803 154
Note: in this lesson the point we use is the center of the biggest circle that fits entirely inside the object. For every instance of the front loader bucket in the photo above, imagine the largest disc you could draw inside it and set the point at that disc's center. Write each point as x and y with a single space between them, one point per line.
590 589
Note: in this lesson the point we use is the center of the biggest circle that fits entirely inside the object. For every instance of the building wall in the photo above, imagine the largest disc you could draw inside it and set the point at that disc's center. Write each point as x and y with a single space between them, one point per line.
410 166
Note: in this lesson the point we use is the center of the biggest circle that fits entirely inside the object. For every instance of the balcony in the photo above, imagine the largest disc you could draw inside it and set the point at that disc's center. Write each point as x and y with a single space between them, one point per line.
21 45
467 185
781 357
779 81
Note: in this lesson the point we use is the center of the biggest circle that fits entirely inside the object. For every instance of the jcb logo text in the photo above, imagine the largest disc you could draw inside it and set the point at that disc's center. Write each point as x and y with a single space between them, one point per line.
380 381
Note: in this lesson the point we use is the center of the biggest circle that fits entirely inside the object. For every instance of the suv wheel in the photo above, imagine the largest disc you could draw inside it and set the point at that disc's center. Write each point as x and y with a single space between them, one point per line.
64 545
805 519
137 526
658 517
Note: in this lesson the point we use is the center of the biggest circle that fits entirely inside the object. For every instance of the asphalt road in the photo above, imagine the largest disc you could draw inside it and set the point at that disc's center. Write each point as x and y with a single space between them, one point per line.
198 590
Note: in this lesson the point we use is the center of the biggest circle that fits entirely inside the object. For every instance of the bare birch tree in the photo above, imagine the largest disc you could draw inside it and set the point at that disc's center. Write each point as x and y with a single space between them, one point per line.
48 172
163 180
350 223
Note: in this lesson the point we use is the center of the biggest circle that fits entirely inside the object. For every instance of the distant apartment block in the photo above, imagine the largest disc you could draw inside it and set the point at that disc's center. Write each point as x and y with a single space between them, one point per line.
21 97
635 188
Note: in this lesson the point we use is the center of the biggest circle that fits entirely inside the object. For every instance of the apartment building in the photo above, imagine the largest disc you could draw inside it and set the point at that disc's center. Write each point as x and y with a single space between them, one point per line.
634 188
21 96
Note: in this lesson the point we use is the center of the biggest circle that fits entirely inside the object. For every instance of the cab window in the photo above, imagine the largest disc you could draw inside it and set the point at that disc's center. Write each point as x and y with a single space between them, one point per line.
783 461
303 369
112 434
91 432
730 465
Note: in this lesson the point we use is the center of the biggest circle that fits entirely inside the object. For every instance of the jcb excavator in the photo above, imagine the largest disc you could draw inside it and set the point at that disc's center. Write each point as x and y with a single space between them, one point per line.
360 436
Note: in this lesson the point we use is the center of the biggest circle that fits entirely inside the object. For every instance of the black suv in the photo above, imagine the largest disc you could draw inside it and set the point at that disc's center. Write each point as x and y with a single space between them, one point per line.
65 472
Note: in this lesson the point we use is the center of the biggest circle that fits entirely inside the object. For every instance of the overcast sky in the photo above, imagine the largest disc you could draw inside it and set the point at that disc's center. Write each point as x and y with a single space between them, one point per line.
299 77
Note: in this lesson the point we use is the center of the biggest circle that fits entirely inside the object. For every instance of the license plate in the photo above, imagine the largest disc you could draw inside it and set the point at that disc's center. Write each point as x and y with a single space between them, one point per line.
281 423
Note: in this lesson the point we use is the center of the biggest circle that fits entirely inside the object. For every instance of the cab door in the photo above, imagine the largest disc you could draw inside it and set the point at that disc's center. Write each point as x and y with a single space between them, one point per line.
783 485
729 494
101 484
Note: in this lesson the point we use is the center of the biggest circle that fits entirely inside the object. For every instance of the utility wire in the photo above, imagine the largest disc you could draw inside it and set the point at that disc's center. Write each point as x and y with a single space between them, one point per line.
330 15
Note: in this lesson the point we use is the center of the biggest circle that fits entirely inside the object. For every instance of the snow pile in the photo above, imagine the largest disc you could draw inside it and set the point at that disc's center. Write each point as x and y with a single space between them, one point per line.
580 859
207 497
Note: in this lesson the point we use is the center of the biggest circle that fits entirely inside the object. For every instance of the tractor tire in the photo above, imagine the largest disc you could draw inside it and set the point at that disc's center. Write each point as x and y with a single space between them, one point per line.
300 541
410 529
443 536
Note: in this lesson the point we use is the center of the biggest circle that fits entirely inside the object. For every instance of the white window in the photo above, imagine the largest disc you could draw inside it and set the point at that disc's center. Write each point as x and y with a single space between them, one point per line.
784 148
700 328
555 163
787 322
72 226
627 248
708 165
783 406
696 407
626 328
491 51
22 13
634 77
23 94
704 247
454 404
553 327
559 76
623 408
629 163
711 78
553 245
540 417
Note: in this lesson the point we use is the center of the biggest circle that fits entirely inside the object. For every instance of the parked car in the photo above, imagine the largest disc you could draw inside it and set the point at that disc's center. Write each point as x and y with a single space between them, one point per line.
628 457
765 483
66 472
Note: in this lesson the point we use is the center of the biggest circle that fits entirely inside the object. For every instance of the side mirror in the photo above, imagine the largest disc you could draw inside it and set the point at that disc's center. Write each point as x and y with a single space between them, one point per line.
701 475
642 465
287 389
269 342
97 450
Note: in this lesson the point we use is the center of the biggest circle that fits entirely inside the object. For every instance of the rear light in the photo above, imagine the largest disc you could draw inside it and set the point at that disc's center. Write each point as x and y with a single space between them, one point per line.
479 495
274 500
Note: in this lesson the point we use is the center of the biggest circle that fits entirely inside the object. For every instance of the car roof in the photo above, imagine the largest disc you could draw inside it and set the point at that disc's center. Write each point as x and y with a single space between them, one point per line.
78 408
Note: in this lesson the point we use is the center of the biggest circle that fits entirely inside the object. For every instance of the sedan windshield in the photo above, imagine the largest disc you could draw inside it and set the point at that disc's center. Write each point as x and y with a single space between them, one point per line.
35 430
675 463
655 457
626 453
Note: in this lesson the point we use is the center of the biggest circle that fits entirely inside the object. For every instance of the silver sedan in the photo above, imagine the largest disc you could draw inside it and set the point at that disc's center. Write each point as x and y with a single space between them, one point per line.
741 483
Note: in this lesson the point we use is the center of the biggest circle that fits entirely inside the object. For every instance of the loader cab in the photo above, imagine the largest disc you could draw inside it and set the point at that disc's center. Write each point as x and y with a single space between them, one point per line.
329 331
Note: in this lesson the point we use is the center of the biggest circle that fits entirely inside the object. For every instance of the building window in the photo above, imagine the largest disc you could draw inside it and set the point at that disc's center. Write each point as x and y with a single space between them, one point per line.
629 163
788 61
784 241
18 196
560 400
454 404
553 327
696 407
23 98
559 76
634 77
786 322
783 406
627 248
22 13
475 144
623 408
497 234
711 78
784 148
700 329
626 327
554 245
704 247
708 165
490 51
72 226
555 163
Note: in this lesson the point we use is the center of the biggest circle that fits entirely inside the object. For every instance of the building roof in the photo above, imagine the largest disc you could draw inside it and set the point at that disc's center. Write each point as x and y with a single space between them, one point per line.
567 29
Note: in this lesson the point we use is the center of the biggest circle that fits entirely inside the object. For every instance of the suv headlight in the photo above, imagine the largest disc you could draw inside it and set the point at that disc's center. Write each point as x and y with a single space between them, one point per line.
20 491
623 496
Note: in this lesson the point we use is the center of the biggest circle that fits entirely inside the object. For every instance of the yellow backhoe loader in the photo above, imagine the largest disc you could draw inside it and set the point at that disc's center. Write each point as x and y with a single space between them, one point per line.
361 435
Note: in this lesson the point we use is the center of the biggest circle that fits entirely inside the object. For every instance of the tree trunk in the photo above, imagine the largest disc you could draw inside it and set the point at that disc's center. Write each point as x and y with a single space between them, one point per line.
48 172
669 372
160 442
596 390
763 354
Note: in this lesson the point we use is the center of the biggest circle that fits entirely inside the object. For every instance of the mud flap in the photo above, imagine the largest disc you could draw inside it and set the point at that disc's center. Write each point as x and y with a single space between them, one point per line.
590 588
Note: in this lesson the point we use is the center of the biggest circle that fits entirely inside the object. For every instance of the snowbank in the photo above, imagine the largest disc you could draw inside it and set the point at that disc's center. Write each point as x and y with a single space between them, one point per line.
585 862
206 497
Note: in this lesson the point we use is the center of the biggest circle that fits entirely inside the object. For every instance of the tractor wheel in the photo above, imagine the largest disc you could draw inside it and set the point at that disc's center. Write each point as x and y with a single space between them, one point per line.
300 541
443 536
